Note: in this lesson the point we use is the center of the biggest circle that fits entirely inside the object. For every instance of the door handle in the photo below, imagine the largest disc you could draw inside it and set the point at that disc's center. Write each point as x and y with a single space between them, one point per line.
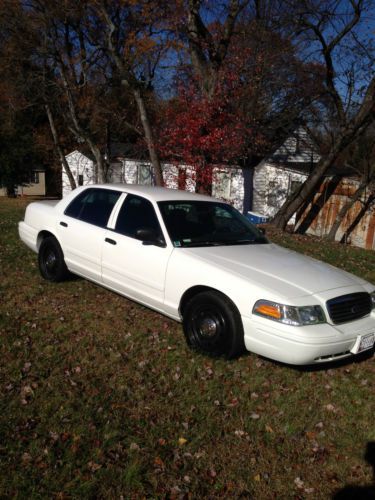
112 242
64 224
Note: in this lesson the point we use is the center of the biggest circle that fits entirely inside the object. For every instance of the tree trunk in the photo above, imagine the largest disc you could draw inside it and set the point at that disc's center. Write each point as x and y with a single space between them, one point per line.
345 209
149 136
59 150
248 184
349 133
100 167
307 189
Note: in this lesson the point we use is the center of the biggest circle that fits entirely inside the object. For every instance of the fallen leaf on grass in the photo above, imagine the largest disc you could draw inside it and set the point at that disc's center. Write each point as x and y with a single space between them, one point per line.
330 407
93 466
158 462
26 458
182 441
298 482
310 435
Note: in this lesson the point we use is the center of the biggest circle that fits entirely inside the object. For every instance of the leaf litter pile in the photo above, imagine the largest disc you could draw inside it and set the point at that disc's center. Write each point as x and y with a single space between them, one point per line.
100 397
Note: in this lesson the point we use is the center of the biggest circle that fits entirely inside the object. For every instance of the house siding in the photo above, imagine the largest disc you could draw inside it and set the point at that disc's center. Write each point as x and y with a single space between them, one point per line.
130 171
79 165
272 186
31 189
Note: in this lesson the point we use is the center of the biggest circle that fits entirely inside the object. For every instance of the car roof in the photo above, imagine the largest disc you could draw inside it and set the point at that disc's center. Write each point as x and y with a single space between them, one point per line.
155 193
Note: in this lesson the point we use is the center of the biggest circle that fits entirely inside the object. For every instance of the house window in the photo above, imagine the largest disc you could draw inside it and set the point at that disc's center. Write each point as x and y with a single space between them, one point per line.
144 174
80 180
34 177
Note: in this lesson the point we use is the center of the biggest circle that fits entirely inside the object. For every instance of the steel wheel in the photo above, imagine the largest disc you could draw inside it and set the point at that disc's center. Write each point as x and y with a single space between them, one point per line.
51 260
212 325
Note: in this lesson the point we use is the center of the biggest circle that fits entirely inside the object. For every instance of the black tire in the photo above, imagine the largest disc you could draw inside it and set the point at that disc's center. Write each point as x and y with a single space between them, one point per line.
52 266
212 325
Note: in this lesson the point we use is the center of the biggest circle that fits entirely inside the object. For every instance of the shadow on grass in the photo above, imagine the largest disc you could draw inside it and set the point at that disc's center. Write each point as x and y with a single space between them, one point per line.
73 277
361 492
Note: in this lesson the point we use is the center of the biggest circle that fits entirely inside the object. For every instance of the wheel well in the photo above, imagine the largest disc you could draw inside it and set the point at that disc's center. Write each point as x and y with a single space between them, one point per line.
41 236
191 292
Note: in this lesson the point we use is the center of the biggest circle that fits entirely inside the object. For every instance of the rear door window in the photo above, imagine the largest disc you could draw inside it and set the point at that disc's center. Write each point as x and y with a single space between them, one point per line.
93 206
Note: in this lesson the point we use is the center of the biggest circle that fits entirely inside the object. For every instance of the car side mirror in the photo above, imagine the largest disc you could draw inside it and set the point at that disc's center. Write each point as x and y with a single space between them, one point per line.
262 230
149 236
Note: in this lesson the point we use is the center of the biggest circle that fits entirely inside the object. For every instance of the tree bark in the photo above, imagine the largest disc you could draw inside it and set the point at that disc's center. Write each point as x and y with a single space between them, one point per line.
130 81
58 148
149 136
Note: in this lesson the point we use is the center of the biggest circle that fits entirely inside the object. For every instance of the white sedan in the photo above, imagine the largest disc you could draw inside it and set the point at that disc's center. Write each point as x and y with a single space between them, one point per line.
199 261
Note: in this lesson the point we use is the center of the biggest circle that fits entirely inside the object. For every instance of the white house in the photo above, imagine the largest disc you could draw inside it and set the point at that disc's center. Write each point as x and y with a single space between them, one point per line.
274 178
227 181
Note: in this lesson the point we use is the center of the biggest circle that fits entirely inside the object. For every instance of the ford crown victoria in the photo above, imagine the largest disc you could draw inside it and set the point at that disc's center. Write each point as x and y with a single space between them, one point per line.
199 261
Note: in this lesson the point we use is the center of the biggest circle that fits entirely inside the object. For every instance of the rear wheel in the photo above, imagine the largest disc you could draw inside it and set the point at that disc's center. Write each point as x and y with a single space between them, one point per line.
212 325
52 266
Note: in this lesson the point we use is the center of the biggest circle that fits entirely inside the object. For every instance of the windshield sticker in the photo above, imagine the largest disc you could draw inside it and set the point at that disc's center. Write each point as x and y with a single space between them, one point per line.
187 240
177 243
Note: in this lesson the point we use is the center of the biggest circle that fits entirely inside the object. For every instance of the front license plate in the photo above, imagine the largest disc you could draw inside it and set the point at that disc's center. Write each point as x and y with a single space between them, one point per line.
363 343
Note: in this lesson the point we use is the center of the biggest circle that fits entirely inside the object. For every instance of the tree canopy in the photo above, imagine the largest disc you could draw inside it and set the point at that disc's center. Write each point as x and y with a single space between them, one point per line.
188 81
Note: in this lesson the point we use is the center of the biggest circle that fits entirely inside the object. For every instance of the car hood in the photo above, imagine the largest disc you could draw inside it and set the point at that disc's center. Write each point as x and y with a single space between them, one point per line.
276 269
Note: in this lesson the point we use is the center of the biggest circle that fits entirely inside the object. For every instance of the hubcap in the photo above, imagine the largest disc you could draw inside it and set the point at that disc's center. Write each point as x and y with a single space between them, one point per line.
208 327
51 261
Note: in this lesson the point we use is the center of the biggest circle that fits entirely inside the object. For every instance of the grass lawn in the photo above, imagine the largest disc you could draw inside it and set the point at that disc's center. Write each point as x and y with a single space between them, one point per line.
101 398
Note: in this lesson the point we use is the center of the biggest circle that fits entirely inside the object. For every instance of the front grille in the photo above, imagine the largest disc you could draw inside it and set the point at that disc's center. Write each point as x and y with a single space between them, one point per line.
349 307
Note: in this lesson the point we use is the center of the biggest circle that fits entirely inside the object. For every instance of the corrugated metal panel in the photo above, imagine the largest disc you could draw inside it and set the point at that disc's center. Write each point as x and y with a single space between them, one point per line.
364 233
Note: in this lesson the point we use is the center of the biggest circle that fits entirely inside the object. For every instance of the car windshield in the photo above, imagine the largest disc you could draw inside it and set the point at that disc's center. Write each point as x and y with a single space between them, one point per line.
207 223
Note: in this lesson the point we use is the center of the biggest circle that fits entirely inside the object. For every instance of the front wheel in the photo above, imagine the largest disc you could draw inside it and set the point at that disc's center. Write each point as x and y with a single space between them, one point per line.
52 266
212 325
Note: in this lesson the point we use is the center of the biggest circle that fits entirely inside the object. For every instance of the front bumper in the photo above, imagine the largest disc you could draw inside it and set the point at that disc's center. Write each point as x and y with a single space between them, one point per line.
304 345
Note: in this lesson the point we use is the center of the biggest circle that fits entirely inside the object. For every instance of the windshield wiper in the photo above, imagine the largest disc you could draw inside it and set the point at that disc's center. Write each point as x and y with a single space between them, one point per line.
256 241
205 243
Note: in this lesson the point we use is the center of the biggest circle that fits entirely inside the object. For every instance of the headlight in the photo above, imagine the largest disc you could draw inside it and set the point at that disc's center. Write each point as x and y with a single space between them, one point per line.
290 315
372 295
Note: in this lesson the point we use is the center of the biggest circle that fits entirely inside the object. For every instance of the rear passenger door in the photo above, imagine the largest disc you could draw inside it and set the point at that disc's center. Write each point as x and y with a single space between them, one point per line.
81 230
